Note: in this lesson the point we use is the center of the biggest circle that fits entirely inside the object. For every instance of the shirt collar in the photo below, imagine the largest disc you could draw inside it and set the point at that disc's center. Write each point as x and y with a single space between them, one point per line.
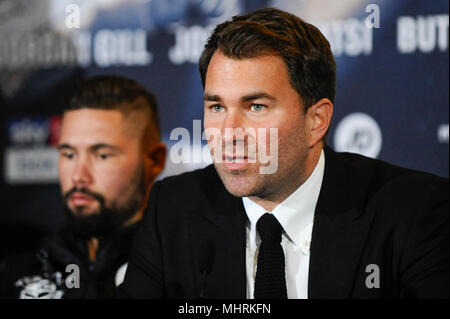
296 212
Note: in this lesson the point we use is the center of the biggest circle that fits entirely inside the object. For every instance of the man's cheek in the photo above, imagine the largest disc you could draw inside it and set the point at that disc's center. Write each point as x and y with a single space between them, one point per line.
65 187
117 187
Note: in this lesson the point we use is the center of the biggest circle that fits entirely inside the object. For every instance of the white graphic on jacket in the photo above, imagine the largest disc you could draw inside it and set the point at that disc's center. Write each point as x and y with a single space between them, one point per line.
37 287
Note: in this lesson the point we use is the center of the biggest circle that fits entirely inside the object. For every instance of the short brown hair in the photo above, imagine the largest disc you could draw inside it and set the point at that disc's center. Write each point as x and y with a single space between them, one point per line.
305 51
110 92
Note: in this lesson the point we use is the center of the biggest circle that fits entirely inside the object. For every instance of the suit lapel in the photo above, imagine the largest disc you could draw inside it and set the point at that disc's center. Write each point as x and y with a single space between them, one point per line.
220 218
339 232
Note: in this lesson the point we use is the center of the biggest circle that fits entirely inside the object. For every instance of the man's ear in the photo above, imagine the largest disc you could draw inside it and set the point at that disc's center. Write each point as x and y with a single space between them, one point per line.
320 115
155 157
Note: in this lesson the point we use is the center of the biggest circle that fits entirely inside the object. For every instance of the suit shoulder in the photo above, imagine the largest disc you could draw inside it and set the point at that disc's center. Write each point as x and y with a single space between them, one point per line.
190 179
373 182
198 185
379 175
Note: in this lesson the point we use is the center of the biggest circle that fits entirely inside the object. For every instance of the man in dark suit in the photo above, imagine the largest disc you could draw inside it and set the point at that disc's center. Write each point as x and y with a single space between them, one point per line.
280 214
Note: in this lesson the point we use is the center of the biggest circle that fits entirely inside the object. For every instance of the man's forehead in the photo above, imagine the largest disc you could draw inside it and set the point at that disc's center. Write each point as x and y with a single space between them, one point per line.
93 126
224 62
262 77
89 113
259 70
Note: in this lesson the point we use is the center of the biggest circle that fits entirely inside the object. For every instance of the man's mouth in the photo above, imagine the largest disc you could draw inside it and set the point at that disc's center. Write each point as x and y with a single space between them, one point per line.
235 159
235 162
81 199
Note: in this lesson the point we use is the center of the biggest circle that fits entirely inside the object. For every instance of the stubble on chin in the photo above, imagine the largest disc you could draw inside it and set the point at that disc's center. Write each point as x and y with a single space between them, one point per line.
240 183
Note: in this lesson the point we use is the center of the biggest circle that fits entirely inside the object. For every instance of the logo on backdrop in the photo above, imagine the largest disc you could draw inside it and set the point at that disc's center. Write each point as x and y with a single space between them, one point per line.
30 155
358 133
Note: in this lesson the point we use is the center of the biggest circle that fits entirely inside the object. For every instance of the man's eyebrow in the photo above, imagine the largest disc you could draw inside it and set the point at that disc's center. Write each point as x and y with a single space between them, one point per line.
62 146
256 96
211 97
245 98
96 147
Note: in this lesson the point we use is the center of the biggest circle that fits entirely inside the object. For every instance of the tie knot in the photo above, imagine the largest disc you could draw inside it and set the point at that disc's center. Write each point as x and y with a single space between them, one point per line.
269 229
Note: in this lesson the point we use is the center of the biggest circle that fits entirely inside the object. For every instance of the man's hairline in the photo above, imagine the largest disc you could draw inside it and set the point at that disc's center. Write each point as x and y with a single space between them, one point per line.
126 115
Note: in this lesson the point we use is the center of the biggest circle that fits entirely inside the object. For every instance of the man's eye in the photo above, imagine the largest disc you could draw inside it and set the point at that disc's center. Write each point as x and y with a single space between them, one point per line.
104 156
258 107
68 155
217 108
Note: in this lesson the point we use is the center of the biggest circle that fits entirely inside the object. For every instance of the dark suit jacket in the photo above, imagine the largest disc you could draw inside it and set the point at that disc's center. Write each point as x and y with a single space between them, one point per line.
368 213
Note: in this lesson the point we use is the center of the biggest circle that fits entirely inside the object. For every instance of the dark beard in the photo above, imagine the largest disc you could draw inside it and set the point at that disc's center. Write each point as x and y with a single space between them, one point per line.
107 220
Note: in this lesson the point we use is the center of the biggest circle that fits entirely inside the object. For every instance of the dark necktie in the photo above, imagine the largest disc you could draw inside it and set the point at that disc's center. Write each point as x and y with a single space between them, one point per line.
270 281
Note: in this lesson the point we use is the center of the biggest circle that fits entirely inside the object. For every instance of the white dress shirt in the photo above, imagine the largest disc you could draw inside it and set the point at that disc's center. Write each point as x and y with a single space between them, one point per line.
296 215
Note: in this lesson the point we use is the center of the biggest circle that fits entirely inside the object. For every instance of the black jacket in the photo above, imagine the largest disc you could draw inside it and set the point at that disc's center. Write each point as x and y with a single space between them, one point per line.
43 273
368 213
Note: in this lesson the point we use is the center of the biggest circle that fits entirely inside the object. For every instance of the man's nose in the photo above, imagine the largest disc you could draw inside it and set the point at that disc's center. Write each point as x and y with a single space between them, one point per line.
81 175
232 127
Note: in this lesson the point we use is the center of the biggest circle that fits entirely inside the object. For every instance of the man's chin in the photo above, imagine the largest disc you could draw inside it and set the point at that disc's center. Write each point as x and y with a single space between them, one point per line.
84 215
83 211
238 192
238 183
89 223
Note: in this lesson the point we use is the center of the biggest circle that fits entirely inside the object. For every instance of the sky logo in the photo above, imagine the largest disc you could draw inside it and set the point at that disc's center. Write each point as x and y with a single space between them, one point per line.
33 131
31 156
28 131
